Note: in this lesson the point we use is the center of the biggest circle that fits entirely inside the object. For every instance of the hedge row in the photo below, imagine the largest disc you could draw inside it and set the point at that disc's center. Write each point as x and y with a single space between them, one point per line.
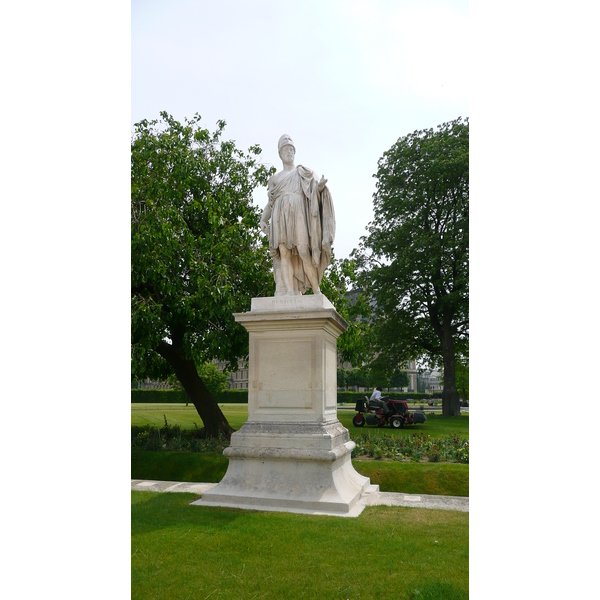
233 397
158 396
241 396
180 396
417 396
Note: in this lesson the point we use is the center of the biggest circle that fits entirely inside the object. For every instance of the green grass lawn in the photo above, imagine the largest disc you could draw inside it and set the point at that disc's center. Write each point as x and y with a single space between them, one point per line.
182 415
204 467
237 414
183 551
436 426
437 479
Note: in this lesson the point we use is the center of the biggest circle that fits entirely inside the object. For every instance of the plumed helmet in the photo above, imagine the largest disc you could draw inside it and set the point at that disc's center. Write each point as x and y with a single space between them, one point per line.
285 140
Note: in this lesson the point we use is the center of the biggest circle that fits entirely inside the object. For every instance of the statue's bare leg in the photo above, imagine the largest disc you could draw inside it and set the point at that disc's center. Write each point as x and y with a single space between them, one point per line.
287 270
280 289
309 268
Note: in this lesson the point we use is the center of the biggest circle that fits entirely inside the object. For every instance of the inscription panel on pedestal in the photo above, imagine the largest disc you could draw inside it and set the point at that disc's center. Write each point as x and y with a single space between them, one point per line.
284 373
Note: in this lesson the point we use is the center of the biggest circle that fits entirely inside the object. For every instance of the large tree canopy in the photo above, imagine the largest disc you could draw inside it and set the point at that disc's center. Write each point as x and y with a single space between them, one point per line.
337 284
415 258
196 253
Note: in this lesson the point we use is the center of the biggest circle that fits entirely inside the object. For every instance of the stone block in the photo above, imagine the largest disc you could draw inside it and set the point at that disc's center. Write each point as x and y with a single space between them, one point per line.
292 454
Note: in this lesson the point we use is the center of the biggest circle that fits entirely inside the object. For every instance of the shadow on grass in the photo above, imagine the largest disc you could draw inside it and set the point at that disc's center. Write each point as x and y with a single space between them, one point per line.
178 466
152 511
437 590
445 479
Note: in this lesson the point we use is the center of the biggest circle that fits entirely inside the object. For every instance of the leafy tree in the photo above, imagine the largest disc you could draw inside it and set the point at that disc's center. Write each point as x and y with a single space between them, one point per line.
400 379
342 377
384 372
358 378
415 258
216 381
337 284
196 253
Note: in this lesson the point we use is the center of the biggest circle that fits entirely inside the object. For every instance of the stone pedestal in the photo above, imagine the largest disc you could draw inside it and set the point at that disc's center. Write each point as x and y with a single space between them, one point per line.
292 454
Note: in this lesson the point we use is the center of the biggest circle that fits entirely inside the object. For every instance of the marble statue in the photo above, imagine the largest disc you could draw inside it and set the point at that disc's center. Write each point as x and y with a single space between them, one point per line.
299 221
292 454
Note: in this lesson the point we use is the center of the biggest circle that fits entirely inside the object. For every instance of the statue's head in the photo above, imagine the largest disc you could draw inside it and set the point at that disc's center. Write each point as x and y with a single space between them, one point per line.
287 150
285 140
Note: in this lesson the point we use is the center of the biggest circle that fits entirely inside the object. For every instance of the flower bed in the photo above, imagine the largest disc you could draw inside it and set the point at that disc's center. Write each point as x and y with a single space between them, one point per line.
172 437
416 447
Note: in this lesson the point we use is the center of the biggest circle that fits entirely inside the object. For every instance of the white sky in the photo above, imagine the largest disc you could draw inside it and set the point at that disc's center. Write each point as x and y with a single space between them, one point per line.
345 79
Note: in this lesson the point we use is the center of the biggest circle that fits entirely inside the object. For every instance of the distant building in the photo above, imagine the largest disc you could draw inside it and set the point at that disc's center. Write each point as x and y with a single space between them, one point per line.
150 384
237 380
411 368
431 381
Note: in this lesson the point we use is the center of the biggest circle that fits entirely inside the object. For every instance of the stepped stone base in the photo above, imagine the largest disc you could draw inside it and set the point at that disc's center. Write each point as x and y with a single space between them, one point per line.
290 467
292 454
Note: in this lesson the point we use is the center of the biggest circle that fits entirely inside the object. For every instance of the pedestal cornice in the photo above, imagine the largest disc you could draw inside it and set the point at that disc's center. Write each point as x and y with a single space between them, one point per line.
298 312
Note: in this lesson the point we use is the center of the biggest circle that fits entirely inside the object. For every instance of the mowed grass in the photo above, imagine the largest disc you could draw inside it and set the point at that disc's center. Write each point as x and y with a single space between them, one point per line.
182 415
183 551
437 479
237 415
205 467
436 426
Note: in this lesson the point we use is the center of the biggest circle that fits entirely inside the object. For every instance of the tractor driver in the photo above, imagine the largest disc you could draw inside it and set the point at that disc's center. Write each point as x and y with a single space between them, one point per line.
377 398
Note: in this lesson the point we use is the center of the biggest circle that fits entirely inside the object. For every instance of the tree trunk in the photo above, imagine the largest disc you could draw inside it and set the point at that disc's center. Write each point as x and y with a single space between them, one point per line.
214 420
450 397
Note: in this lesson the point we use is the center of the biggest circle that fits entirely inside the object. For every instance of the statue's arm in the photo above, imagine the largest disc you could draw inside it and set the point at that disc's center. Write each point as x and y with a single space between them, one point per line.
264 220
267 211
308 176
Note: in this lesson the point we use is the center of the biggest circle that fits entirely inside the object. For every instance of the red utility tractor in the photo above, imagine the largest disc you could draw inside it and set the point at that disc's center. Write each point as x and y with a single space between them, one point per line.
397 415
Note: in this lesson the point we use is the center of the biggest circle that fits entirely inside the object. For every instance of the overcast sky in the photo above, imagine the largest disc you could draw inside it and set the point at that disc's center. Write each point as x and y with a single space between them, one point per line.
344 78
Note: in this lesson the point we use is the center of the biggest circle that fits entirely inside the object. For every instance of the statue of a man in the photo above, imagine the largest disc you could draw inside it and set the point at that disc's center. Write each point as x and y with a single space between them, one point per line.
299 221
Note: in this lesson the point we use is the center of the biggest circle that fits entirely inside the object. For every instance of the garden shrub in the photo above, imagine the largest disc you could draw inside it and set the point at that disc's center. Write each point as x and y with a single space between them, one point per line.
181 397
232 397
159 396
352 397
392 447
241 396
172 437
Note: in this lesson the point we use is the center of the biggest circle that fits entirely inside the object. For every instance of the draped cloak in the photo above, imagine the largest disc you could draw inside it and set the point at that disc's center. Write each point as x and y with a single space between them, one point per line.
300 215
